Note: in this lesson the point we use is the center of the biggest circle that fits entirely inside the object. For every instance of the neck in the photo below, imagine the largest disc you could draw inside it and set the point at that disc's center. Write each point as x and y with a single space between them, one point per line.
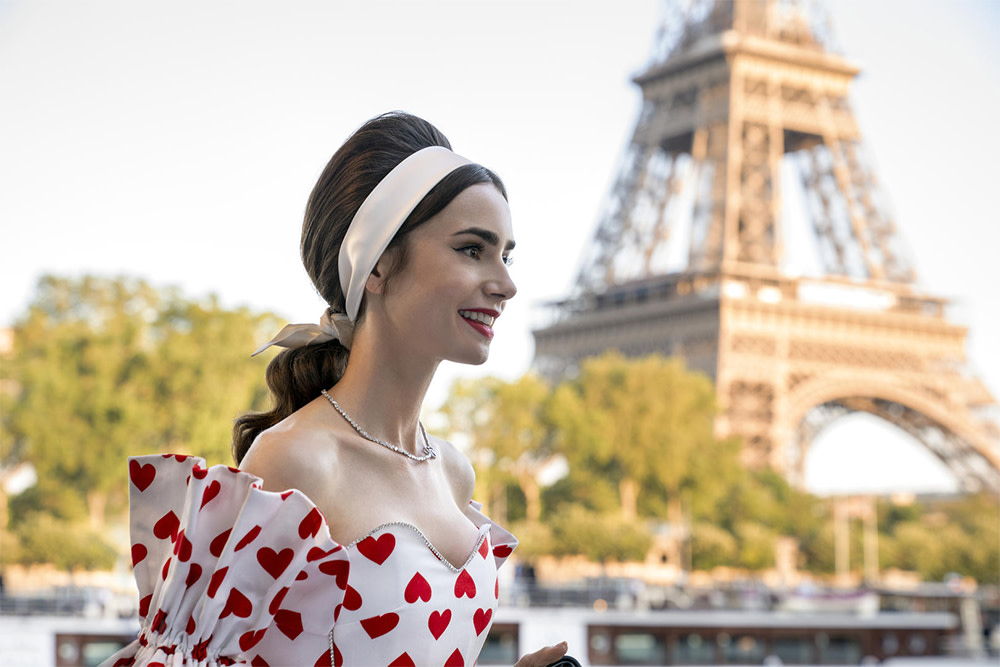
383 390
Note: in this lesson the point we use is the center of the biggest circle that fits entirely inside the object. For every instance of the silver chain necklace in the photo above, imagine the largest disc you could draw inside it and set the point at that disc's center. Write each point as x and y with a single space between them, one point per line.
429 452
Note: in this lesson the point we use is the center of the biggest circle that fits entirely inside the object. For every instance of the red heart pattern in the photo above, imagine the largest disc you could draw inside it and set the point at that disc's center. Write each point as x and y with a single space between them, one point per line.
141 475
316 554
309 526
250 639
377 550
248 538
352 599
237 604
217 577
158 621
481 619
338 569
289 622
167 526
138 554
194 574
438 622
465 585
502 551
376 626
417 589
335 583
277 600
211 492
274 562
182 547
219 542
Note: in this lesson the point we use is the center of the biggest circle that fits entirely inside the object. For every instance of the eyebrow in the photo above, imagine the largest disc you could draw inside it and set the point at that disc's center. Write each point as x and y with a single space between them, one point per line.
485 234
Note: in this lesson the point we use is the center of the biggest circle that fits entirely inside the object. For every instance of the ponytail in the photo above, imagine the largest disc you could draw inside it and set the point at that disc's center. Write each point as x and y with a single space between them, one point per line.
295 377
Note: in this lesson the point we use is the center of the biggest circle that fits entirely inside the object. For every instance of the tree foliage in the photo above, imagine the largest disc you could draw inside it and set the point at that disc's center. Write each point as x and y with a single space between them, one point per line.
637 435
105 368
507 424
599 537
647 421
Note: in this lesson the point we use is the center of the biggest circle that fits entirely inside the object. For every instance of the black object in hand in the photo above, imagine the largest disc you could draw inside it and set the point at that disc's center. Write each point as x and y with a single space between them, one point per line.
565 661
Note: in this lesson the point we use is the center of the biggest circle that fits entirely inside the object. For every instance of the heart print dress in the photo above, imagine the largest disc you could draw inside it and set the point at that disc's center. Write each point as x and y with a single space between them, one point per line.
230 574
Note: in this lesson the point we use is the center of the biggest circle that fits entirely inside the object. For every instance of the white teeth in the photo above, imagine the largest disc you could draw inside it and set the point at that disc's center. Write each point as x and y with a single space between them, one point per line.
478 317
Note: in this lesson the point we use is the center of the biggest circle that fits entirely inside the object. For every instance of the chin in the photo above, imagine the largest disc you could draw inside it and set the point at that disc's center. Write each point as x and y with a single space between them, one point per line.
472 358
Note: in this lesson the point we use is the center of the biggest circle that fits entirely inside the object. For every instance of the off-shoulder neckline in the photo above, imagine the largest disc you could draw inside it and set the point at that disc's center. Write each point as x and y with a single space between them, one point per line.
483 531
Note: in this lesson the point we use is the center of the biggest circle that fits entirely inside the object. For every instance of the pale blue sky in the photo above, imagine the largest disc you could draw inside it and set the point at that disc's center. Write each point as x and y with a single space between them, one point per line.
178 141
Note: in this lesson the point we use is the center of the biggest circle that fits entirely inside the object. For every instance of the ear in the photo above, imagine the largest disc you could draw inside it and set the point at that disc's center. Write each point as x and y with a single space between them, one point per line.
376 279
375 283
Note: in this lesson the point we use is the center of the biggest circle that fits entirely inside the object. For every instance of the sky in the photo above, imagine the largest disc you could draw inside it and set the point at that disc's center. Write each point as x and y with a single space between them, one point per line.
178 142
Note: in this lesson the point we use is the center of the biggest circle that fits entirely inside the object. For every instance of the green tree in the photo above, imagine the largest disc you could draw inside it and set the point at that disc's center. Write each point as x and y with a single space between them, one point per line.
104 368
959 536
712 546
599 537
645 421
508 429
756 545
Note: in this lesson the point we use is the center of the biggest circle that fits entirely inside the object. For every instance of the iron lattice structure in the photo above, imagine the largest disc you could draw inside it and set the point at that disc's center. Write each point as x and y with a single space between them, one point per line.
746 94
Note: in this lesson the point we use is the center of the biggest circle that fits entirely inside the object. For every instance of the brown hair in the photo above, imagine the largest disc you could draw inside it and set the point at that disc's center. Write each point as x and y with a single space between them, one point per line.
296 376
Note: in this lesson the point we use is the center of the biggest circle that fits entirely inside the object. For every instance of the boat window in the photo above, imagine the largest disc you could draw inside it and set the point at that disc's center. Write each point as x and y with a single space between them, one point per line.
744 649
693 649
501 645
842 651
639 648
794 650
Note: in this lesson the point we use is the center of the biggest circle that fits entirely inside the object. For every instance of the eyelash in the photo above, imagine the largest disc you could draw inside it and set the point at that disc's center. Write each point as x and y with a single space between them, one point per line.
478 249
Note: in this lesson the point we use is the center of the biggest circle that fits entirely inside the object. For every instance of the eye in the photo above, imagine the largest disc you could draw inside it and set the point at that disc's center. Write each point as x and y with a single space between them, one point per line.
508 260
474 250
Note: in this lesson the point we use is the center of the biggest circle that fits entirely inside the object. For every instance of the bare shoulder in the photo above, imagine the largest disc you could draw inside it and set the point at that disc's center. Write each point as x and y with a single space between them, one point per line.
458 469
292 454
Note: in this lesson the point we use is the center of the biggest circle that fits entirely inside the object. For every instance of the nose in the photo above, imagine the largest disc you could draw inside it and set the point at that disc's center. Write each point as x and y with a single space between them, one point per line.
502 285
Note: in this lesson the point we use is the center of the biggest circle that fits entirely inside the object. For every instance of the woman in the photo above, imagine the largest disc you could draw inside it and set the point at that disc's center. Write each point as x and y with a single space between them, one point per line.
347 535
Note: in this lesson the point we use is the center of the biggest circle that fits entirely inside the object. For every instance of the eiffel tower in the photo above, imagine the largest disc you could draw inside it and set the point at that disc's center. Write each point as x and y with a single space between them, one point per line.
690 257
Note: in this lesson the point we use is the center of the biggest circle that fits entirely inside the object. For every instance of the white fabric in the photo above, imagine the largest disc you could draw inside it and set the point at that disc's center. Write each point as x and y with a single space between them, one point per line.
384 211
331 326
230 574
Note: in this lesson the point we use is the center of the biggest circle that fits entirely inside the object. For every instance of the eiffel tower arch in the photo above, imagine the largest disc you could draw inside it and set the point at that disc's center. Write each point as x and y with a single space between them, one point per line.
689 256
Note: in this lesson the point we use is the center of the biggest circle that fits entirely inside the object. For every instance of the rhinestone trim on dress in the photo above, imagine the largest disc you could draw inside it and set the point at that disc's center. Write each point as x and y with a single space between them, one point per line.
426 541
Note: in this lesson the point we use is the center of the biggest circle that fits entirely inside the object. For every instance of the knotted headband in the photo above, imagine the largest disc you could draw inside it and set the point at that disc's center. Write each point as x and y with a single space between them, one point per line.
372 228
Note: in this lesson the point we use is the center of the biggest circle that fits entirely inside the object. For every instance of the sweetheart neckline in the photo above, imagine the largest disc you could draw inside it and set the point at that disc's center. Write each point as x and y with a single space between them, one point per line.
483 531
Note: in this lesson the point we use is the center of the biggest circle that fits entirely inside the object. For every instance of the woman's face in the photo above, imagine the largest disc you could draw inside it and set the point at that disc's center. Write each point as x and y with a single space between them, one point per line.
455 281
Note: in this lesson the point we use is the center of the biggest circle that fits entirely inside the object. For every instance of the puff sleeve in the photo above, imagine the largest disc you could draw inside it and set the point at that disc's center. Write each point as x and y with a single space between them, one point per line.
228 574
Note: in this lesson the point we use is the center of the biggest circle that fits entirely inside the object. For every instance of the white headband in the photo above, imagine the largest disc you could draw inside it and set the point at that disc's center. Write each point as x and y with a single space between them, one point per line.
382 214
373 227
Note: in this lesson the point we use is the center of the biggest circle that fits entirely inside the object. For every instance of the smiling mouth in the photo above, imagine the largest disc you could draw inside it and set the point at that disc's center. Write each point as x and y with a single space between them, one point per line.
481 322
477 316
